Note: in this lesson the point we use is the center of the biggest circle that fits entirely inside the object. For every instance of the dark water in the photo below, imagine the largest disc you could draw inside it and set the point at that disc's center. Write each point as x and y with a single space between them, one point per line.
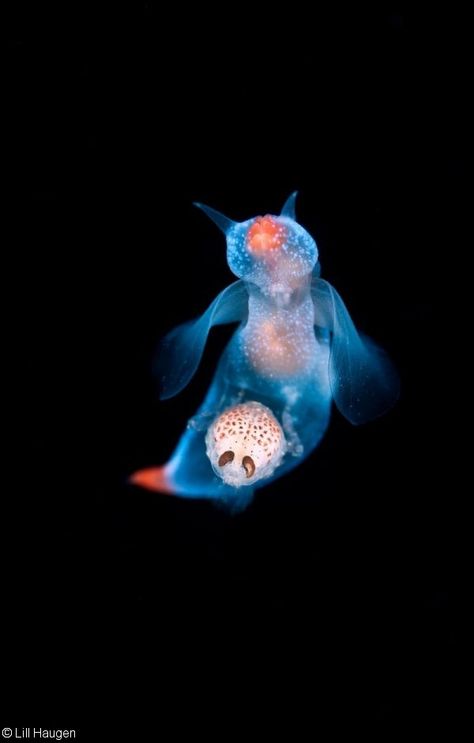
341 583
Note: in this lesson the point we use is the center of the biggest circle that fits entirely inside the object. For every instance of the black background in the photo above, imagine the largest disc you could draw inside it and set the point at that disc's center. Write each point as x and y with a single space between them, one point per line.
341 582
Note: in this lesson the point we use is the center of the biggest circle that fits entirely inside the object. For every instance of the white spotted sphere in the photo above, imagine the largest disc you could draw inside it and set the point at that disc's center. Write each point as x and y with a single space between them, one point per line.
245 444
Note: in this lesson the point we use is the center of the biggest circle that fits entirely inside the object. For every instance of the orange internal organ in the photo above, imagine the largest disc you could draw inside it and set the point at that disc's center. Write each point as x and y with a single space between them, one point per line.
273 350
265 235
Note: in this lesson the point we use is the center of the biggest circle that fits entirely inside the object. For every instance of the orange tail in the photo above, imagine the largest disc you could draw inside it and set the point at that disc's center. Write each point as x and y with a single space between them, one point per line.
153 478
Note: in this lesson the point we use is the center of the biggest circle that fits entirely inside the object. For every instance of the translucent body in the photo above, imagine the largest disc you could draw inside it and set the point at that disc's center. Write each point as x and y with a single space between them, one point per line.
294 351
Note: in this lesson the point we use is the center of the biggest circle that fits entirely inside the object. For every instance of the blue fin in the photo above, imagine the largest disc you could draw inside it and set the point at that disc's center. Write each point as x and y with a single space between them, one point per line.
364 382
180 352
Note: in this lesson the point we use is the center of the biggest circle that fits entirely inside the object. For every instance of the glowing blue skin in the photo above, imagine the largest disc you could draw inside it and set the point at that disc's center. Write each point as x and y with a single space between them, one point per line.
282 306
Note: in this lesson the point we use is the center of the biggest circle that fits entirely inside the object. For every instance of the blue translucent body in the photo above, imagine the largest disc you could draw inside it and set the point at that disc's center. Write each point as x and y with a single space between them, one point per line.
295 350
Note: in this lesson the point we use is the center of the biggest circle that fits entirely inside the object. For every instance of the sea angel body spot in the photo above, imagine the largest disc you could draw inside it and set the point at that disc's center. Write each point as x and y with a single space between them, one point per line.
265 235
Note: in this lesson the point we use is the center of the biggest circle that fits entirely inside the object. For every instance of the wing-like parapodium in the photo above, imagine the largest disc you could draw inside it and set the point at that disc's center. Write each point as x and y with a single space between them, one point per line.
364 382
180 352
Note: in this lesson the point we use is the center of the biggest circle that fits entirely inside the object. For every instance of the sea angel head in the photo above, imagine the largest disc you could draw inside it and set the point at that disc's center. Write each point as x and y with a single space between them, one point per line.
269 251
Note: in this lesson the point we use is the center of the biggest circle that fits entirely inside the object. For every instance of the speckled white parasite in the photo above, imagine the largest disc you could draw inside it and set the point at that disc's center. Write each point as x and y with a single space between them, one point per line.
245 444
